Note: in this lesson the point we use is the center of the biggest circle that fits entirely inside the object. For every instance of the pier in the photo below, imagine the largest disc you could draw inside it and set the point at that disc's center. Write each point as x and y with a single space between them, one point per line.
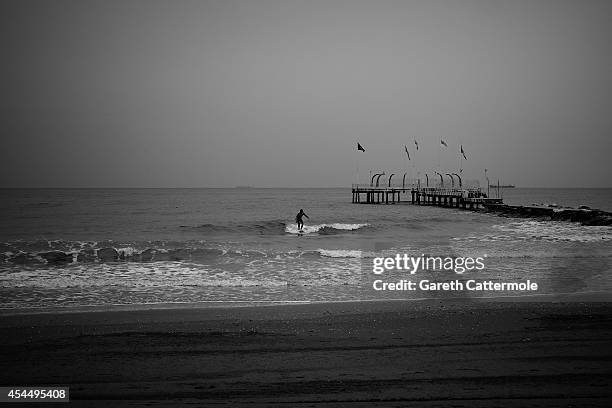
465 198
473 198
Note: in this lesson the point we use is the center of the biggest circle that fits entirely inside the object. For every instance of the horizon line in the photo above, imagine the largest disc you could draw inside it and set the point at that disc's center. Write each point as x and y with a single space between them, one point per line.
240 188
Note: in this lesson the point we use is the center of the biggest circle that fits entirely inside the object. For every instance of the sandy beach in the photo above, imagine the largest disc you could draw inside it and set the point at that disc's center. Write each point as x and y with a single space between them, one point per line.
426 353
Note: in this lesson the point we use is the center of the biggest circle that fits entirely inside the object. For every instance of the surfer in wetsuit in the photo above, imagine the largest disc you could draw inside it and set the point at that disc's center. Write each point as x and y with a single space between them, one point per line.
298 219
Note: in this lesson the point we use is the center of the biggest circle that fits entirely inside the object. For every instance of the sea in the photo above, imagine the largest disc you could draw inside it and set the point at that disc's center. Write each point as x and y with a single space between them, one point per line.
71 249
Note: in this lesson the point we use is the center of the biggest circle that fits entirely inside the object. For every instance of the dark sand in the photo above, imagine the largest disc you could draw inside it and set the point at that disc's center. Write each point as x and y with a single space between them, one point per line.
424 354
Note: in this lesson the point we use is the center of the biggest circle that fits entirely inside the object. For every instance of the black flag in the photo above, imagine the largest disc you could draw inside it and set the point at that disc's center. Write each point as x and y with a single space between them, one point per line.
407 152
463 153
417 145
360 147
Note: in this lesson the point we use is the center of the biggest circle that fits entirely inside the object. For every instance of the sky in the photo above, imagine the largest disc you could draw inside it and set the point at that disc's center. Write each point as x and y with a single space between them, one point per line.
278 93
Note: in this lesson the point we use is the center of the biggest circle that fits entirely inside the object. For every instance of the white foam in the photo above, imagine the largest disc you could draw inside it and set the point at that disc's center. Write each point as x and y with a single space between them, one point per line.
340 253
558 231
127 251
309 229
87 244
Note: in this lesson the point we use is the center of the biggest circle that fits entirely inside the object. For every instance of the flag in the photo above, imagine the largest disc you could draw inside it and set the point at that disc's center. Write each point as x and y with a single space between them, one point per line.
463 153
417 145
360 147
443 142
407 152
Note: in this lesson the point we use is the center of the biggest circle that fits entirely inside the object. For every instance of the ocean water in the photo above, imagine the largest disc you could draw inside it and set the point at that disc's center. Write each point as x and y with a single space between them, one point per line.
101 247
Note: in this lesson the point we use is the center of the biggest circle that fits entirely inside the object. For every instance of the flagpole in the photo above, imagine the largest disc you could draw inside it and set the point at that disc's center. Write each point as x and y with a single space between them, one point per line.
359 149
409 167
417 170
439 152
406 161
357 166
459 164
406 165
413 166
459 161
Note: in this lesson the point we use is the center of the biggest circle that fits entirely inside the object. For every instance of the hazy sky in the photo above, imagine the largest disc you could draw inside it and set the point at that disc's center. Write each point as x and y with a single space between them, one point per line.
277 93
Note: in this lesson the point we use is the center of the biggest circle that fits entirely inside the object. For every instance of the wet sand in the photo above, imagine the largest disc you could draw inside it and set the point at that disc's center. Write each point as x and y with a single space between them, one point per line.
424 354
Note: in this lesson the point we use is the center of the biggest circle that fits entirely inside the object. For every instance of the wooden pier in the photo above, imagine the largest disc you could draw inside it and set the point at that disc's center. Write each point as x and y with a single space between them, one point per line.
465 198
474 198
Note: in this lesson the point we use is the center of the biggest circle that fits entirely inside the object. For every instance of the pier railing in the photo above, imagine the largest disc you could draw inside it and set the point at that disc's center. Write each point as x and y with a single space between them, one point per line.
383 187
415 184
421 189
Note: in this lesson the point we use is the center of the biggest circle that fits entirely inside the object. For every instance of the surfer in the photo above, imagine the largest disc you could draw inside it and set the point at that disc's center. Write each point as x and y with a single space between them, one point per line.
298 219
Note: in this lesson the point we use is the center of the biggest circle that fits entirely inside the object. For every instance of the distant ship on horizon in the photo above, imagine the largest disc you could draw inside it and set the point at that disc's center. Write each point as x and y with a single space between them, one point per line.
507 186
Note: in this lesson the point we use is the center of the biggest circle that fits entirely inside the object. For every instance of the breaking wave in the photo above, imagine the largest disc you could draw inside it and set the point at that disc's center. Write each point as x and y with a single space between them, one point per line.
274 228
266 227
109 254
341 253
328 229
64 253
